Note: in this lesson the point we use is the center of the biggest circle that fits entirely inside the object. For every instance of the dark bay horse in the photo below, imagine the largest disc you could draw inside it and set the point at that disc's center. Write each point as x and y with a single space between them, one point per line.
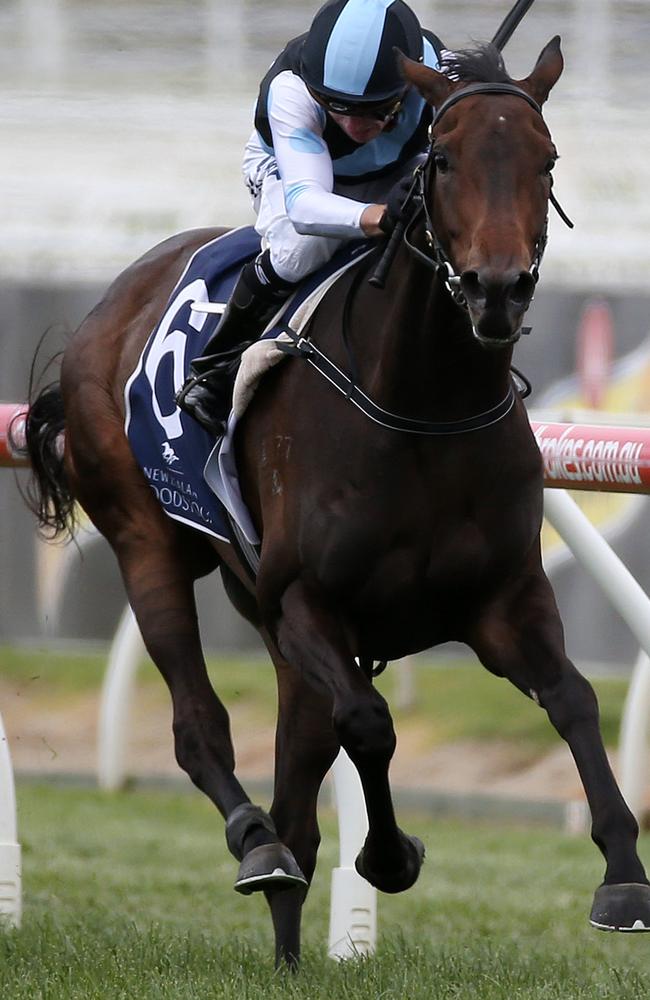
376 542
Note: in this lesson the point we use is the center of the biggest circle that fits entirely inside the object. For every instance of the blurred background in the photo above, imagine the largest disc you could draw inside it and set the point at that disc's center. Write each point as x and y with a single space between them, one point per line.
123 123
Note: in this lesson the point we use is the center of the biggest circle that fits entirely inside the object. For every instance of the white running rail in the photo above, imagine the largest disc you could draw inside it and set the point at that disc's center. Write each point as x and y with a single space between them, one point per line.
10 862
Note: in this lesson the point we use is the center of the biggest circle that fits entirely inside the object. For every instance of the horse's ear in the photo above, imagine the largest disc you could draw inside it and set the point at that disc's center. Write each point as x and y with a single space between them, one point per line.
547 72
434 87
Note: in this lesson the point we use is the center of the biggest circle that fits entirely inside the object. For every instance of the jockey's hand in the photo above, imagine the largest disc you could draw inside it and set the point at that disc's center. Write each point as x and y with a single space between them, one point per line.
395 210
371 220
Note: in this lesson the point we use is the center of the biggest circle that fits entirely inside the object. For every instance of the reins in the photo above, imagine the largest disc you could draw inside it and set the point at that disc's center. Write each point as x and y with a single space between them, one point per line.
302 347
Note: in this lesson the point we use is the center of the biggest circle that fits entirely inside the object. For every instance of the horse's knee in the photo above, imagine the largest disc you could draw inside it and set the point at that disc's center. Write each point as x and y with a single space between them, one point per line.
365 728
570 702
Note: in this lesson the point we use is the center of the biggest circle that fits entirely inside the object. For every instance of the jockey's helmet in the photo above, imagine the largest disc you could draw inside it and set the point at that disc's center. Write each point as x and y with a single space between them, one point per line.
348 59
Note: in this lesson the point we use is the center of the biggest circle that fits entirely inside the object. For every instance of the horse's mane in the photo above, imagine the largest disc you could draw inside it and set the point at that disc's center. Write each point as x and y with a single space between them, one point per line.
481 64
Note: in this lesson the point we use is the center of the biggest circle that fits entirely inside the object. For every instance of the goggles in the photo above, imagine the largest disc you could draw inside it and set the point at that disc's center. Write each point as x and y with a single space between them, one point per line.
380 112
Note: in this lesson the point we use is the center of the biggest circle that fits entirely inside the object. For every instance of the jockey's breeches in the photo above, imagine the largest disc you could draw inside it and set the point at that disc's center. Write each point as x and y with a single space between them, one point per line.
293 255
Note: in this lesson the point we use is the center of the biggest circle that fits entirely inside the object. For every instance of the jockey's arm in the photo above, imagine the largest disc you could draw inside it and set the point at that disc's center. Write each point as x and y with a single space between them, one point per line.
305 167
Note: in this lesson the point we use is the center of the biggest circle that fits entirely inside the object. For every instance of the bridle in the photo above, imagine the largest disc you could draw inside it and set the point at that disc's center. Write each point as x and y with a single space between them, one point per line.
437 260
424 181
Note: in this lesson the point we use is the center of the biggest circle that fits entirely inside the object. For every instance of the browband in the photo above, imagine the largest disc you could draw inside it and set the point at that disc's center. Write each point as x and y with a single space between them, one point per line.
484 88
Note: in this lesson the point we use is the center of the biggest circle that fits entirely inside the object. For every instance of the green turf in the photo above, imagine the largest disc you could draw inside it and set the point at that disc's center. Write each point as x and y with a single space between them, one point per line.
129 896
455 700
46 670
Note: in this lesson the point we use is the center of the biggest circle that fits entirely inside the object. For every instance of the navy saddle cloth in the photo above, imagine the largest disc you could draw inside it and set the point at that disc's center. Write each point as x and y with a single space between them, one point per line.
170 447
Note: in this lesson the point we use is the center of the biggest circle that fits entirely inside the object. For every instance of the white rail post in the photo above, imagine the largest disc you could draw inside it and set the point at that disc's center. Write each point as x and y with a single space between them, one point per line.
405 693
10 864
633 749
117 694
353 906
626 595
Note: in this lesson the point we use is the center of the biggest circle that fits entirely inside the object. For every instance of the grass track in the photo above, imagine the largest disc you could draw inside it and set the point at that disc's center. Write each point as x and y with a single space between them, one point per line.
455 700
130 896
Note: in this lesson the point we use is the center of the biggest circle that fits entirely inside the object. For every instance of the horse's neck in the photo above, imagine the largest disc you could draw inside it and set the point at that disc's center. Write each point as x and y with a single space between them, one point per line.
417 352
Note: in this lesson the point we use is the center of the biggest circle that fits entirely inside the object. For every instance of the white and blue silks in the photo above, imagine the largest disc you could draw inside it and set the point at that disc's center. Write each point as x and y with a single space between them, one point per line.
308 202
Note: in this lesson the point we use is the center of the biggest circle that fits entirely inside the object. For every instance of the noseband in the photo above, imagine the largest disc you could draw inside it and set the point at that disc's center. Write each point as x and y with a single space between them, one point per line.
424 179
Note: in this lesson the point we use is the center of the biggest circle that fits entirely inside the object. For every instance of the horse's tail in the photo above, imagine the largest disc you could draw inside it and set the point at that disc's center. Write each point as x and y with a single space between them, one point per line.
47 493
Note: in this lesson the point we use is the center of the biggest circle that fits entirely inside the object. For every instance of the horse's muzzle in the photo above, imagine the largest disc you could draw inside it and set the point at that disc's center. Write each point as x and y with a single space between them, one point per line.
497 302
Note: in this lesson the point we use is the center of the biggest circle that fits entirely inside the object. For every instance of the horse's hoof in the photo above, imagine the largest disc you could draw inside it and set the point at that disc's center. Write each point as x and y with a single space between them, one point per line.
270 866
394 881
621 907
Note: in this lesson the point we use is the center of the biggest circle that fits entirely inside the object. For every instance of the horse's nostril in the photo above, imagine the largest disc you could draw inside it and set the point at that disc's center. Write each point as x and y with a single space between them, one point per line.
471 286
523 289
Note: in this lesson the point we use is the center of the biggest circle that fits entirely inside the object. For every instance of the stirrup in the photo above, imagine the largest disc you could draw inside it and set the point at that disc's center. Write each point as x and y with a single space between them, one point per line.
190 383
213 422
207 398
223 366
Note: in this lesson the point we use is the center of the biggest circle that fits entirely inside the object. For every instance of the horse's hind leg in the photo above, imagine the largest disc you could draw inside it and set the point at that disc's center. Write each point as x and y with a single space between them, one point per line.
160 587
312 639
160 562
522 639
305 749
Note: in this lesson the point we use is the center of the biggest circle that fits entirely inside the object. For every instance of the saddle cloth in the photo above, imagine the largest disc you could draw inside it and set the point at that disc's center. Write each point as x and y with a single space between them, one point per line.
194 479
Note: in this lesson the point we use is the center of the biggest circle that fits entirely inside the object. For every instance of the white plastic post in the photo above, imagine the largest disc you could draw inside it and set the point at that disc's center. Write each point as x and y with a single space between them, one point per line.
633 605
633 751
117 693
594 554
10 862
353 907
405 694
55 567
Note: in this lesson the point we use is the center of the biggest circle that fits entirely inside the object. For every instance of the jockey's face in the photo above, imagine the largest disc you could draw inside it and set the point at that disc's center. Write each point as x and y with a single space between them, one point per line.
360 129
363 123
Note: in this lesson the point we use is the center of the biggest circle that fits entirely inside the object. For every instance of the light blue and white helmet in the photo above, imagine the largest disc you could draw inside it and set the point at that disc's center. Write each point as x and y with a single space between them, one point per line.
348 58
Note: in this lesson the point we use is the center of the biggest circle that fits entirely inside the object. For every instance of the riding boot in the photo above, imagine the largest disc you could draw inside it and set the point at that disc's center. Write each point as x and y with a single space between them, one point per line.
206 394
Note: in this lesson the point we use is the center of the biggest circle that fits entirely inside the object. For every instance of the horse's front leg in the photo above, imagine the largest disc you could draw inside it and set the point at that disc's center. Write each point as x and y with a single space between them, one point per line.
305 749
310 636
521 637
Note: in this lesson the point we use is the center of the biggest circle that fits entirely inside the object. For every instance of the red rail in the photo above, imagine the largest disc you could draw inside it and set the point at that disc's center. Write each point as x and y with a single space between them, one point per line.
594 456
12 430
576 456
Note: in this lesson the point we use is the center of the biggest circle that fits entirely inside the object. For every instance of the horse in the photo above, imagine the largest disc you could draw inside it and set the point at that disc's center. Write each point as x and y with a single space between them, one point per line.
387 527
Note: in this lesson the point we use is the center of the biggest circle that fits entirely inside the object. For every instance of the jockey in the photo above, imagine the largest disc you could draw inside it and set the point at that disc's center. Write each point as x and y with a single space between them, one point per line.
336 128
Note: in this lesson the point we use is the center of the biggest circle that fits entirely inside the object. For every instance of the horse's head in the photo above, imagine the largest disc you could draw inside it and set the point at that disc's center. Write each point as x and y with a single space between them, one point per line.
487 182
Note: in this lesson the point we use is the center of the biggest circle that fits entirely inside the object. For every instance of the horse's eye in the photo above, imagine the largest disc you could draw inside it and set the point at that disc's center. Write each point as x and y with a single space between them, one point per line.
441 162
550 164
